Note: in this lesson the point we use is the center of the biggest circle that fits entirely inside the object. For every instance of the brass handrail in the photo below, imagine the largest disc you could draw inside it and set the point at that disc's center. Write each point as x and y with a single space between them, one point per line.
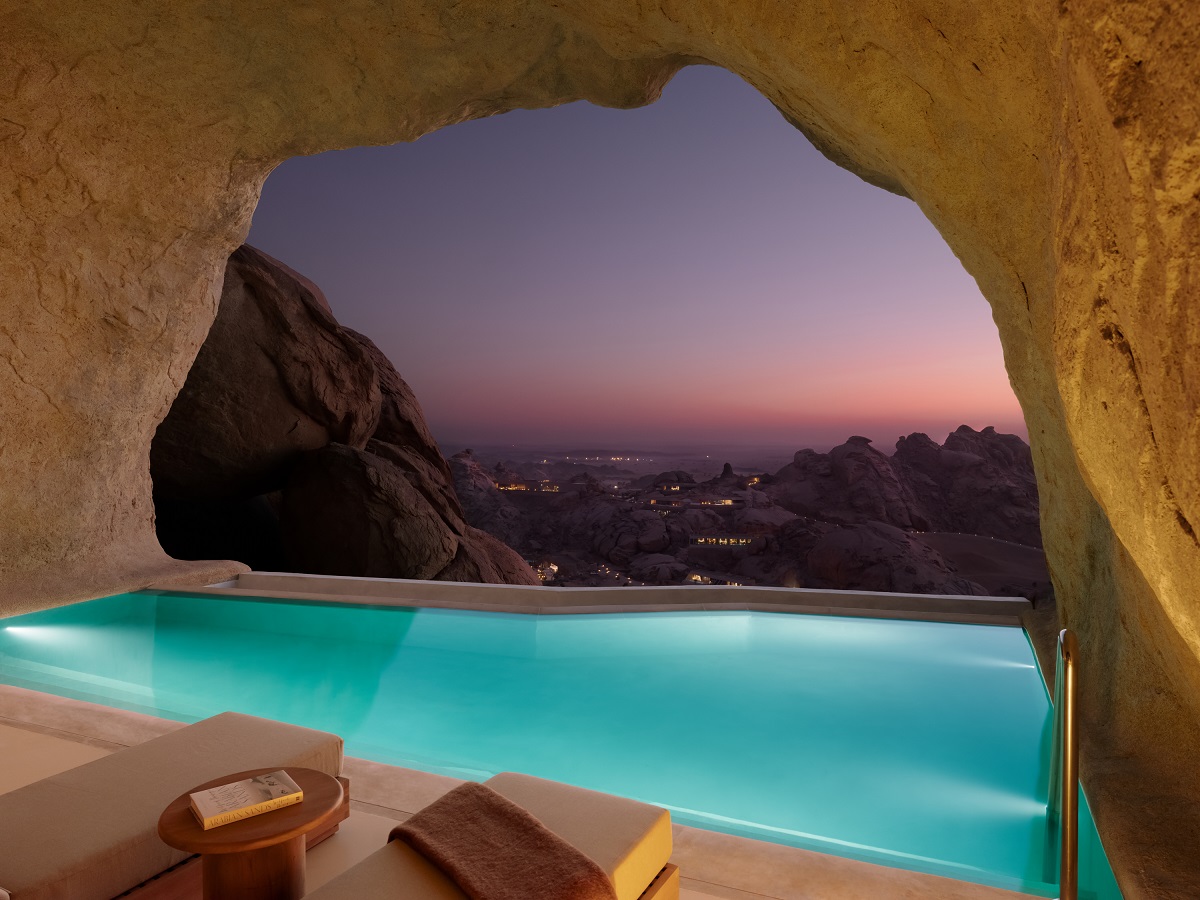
1063 803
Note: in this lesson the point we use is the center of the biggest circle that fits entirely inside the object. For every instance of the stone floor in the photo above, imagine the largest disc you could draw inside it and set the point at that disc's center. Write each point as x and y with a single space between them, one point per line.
41 734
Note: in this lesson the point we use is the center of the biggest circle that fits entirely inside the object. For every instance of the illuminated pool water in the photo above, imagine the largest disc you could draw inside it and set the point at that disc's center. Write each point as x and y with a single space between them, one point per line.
913 744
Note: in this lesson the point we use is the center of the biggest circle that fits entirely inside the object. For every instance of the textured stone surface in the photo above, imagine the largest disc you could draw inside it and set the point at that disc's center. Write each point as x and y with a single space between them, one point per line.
1054 145
879 557
277 378
349 512
356 512
484 506
978 482
832 540
277 375
853 482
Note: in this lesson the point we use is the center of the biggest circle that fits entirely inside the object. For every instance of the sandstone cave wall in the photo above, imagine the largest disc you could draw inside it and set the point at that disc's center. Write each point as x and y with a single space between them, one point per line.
1054 144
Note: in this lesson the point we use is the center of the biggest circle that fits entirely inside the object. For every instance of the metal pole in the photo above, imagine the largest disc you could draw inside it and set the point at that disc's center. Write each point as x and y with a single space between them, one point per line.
1068 649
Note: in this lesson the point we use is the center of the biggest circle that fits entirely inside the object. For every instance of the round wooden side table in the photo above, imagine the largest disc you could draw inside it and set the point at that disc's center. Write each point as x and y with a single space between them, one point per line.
260 858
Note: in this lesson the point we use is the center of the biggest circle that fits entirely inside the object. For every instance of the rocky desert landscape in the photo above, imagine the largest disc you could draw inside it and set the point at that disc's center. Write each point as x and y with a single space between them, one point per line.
295 445
953 518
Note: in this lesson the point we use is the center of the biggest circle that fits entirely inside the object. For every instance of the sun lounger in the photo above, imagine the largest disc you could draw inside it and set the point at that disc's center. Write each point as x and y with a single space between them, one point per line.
630 841
90 833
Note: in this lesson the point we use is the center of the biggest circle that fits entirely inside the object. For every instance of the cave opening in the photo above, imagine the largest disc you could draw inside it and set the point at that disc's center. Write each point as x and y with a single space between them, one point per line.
685 284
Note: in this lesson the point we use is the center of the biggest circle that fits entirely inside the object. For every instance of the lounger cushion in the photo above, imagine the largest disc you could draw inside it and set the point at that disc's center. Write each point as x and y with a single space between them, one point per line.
91 832
396 870
630 841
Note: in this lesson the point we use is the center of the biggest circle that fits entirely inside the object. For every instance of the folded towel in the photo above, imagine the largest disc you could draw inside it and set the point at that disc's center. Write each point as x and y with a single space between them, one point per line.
495 850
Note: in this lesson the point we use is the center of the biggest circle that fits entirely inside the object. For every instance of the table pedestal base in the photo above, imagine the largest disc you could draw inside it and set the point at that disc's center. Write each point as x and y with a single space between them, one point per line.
272 873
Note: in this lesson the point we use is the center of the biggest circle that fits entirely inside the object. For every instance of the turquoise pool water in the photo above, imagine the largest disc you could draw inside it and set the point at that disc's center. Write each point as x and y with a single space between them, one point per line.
913 744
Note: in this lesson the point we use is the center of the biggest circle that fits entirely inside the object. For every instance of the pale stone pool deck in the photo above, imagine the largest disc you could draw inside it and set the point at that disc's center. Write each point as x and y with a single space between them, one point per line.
41 734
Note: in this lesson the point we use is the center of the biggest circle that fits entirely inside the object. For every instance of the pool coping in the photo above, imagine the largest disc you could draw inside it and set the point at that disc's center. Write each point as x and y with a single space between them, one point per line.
528 600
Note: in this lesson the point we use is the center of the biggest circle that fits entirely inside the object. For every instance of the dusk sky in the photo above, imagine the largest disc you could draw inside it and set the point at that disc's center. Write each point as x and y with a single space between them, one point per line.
693 271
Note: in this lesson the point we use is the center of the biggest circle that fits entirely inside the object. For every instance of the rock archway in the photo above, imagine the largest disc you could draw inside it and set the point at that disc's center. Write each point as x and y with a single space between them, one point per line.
1056 146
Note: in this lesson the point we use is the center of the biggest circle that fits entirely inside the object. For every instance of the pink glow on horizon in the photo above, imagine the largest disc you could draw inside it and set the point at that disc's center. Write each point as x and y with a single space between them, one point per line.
692 271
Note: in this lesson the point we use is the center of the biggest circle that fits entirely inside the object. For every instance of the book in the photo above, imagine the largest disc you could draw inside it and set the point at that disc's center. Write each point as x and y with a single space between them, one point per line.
243 799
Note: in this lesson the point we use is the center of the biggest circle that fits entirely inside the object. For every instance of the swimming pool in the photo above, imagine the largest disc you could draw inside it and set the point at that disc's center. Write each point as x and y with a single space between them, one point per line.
913 744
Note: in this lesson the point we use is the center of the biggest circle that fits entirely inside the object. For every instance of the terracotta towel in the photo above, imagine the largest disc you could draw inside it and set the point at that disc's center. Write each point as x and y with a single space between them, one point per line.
494 850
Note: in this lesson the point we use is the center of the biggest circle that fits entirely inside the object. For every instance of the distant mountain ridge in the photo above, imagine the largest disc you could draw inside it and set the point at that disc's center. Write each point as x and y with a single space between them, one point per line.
959 517
978 482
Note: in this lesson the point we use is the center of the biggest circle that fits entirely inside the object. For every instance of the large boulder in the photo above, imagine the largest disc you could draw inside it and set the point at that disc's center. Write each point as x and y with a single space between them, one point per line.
403 436
350 512
295 444
1002 568
658 568
628 533
481 557
485 506
277 375
978 482
880 557
360 512
854 482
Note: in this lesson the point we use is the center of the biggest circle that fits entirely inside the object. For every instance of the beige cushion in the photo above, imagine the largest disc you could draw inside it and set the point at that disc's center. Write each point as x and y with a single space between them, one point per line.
91 832
630 841
396 870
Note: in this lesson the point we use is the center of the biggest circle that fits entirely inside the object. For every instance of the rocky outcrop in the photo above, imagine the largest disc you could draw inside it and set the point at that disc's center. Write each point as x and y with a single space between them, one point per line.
853 482
351 512
879 557
403 437
979 482
1001 568
484 506
305 428
1054 146
664 479
872 556
277 375
623 534
658 568
647 535
760 519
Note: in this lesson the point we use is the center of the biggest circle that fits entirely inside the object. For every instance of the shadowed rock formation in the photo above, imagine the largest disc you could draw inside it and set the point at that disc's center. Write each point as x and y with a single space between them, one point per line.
485 506
302 427
853 482
879 557
979 482
818 523
276 375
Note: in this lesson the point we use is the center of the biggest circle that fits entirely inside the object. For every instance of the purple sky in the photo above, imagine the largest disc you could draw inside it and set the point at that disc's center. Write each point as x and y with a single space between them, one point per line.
693 271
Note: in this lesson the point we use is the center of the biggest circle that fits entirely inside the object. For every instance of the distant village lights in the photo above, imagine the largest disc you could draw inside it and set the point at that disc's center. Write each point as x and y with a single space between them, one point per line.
671 495
543 485
608 459
722 540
